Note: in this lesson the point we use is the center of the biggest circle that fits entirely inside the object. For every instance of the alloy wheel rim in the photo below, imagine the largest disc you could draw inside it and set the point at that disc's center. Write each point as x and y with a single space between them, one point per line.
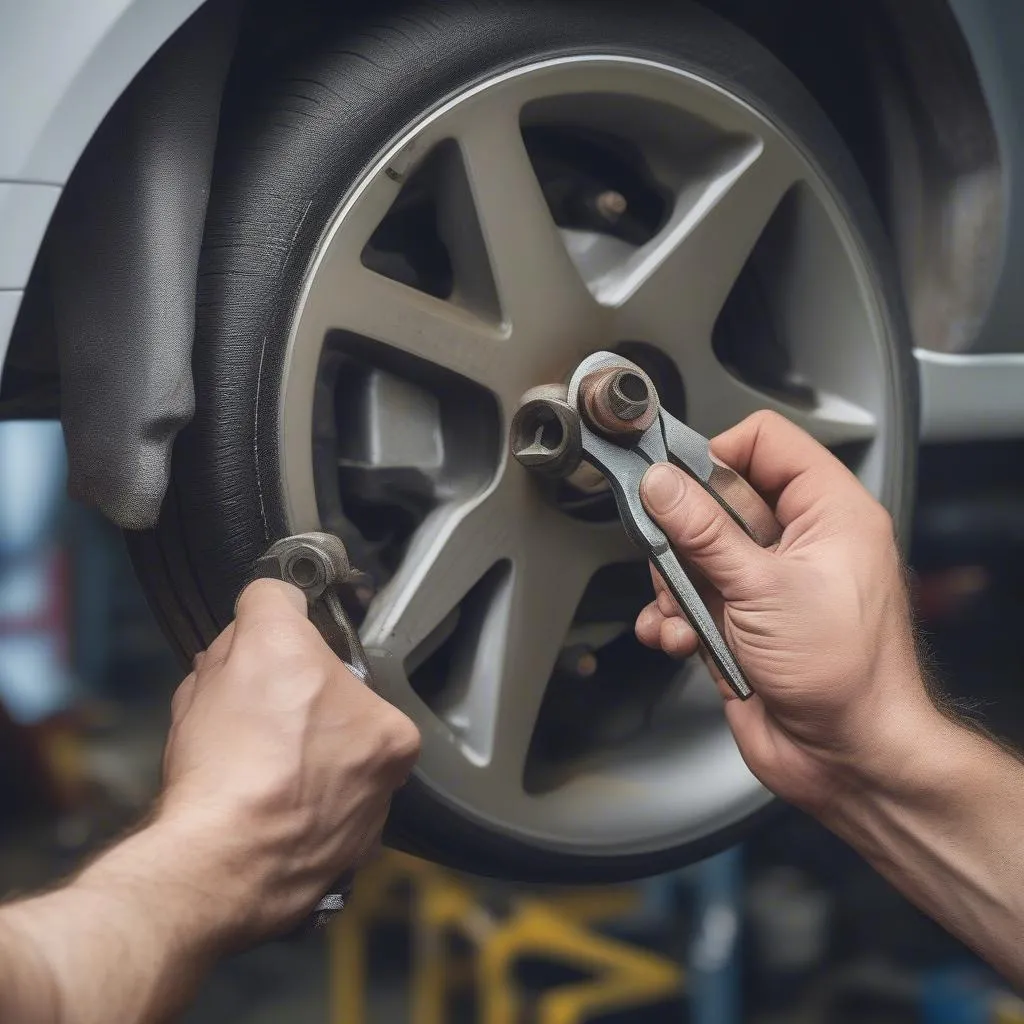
533 300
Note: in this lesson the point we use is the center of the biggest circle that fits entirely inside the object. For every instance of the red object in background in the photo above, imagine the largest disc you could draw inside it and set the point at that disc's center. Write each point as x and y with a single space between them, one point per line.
52 616
36 761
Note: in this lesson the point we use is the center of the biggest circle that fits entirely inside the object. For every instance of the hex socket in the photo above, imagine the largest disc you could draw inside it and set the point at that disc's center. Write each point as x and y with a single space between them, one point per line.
620 402
545 433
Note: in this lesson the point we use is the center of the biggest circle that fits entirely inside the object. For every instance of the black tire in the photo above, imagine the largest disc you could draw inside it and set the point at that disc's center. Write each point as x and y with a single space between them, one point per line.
285 163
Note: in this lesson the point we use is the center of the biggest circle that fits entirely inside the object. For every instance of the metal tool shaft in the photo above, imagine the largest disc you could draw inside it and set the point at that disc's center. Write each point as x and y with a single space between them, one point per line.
318 564
704 625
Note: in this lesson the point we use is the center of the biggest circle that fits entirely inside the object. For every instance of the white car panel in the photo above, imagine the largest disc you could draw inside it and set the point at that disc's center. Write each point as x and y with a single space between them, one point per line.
25 211
9 303
63 63
971 397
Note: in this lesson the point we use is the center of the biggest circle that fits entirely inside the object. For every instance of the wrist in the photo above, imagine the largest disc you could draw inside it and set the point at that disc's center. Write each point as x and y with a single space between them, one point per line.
191 891
916 760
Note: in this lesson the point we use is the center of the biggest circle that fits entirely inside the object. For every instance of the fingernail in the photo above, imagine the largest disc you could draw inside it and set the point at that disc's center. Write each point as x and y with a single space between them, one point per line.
662 489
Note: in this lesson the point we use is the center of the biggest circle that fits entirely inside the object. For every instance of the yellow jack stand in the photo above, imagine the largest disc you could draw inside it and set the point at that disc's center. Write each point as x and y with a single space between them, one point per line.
560 929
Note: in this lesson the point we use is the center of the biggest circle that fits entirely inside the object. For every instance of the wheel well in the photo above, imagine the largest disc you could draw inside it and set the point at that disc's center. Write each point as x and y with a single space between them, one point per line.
107 320
898 82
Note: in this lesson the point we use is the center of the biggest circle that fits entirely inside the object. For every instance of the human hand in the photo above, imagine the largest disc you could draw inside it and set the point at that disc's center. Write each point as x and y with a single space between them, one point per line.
280 764
820 624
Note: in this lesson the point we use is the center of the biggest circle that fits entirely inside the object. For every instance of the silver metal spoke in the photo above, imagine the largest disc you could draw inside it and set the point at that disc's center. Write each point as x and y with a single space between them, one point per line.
723 400
500 681
449 554
673 290
526 630
540 290
439 332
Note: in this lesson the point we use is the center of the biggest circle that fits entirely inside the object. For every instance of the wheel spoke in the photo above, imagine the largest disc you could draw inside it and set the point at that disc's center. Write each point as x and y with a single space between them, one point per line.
674 289
539 288
723 400
499 675
550 572
449 554
403 318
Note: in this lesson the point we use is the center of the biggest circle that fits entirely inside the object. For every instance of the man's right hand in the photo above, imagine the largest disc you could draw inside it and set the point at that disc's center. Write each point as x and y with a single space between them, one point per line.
820 624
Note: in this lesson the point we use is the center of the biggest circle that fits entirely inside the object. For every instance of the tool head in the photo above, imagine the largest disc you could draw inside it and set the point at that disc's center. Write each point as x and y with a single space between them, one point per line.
545 433
313 562
619 401
629 398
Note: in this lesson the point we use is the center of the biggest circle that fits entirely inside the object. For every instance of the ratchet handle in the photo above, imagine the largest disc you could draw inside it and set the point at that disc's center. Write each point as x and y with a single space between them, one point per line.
327 613
754 515
744 504
683 590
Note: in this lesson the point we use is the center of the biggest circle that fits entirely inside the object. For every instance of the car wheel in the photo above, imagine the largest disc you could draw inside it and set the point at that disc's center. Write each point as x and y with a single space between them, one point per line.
431 210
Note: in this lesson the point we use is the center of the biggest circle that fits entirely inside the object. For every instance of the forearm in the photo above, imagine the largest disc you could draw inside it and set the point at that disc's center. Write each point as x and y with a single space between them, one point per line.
946 828
127 940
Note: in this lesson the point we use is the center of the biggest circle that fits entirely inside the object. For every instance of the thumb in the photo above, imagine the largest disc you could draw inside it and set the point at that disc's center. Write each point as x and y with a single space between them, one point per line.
266 602
703 533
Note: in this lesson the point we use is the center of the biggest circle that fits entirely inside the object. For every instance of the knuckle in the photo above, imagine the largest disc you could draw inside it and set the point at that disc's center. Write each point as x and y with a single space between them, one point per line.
399 739
308 680
182 698
269 600
766 419
255 595
707 529
878 522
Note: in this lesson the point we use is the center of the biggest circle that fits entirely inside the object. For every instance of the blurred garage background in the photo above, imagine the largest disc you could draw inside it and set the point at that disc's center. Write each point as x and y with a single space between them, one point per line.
790 927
